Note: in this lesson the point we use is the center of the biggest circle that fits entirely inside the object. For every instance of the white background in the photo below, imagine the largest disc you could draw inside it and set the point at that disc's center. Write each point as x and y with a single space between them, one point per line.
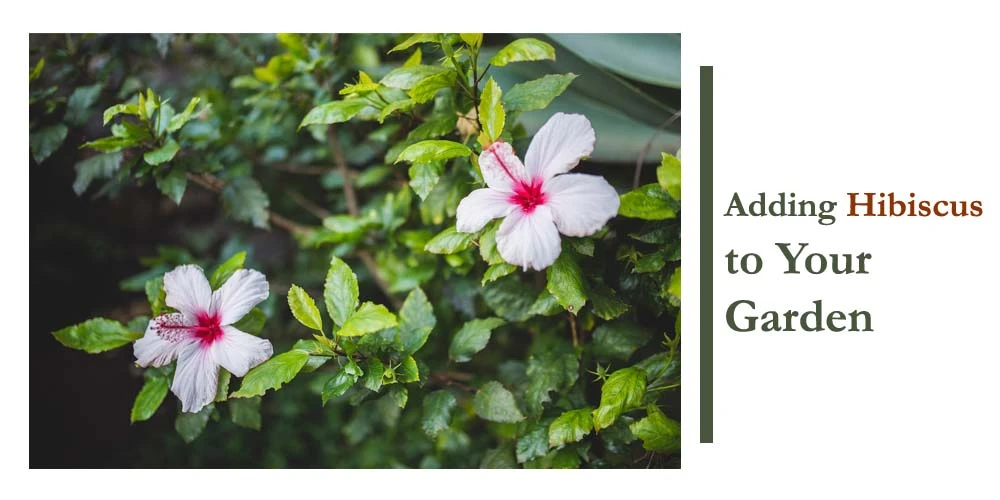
816 100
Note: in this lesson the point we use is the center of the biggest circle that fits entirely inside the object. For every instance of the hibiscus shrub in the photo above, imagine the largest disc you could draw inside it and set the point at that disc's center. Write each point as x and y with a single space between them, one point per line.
447 304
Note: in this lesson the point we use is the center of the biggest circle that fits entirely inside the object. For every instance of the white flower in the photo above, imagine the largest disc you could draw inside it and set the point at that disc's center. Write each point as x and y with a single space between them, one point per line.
538 203
200 334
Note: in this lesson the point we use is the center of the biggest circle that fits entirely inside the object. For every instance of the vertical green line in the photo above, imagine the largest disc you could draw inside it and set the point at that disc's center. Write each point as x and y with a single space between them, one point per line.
706 254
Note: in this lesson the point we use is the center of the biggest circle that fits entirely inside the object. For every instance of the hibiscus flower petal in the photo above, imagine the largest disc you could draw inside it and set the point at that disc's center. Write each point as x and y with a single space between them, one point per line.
165 336
480 207
237 296
529 239
197 376
238 351
500 167
559 145
188 290
581 203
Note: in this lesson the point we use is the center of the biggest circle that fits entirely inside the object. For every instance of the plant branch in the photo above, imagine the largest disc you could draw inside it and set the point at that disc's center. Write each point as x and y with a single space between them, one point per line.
572 329
216 185
293 168
649 144
351 200
307 205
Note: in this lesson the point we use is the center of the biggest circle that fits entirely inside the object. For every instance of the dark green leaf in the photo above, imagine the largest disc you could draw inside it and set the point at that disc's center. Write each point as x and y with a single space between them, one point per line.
162 154
343 380
46 141
545 305
190 425
272 374
658 432
245 412
416 320
424 176
550 368
222 389
565 283
449 241
156 296
246 201
96 335
253 322
367 319
619 339
571 427
425 89
407 78
333 112
536 94
647 202
172 184
623 391
437 412
340 291
433 150
153 391
374 371
408 371
509 298
304 308
415 39
606 303
101 166
498 271
498 458
472 338
523 49
534 443
222 273
652 262
495 403
79 103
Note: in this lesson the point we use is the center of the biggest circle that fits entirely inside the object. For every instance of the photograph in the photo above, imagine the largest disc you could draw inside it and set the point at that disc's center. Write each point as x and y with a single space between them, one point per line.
355 250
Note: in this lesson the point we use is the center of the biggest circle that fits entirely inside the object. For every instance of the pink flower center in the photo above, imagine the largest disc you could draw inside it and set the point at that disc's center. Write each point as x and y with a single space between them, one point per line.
208 329
528 196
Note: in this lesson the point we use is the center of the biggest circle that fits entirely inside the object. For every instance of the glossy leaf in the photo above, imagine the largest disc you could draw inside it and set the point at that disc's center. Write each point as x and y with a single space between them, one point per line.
333 112
272 374
153 391
472 338
367 319
621 392
538 93
96 335
658 432
449 241
495 403
647 202
304 308
340 291
225 270
523 49
491 113
566 283
571 427
433 150
438 406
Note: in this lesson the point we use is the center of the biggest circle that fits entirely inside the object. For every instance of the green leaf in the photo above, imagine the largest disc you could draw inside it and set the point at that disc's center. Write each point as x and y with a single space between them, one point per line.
101 166
172 184
415 39
367 319
653 58
438 406
534 443
253 322
571 427
668 174
416 320
156 296
623 391
365 84
399 395
408 371
472 338
46 141
495 403
674 286
96 335
162 154
333 112
113 143
153 391
498 458
619 339
491 114
400 105
37 70
550 368
523 49
304 308
245 412
415 58
222 389
497 271
536 94
79 103
424 176
272 374
449 241
222 273
658 432
473 40
545 305
178 121
606 303
120 109
433 150
647 202
246 201
509 298
374 372
425 89
407 78
190 425
340 291
488 244
651 263
343 380
565 283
